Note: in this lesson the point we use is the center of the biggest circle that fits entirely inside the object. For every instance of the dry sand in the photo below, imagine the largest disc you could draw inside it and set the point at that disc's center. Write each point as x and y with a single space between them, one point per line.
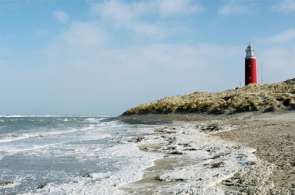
273 137
217 154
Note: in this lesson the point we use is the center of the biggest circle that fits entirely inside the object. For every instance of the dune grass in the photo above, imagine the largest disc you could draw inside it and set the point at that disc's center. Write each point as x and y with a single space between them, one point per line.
257 97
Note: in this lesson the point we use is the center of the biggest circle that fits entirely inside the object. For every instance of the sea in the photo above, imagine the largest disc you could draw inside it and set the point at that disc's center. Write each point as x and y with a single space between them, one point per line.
70 155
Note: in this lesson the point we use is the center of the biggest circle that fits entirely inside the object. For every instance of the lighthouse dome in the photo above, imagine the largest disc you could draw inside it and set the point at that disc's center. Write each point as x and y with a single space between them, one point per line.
250 52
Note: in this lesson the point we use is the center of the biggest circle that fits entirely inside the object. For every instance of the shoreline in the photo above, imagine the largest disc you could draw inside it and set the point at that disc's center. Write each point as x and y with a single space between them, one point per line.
187 167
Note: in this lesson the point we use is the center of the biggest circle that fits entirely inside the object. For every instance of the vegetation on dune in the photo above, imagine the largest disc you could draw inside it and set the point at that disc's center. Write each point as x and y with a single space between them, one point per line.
263 98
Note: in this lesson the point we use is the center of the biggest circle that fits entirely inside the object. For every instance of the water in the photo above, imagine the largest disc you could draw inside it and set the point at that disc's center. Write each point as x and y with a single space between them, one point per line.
69 155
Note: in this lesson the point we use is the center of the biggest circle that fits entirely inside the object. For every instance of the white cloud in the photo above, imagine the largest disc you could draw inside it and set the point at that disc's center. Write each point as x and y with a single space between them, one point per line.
232 9
61 16
114 10
278 63
283 37
285 6
236 7
138 17
173 7
122 11
277 56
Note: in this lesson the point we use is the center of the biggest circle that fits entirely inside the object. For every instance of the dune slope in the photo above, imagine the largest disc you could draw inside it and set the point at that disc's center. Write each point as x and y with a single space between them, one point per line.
262 98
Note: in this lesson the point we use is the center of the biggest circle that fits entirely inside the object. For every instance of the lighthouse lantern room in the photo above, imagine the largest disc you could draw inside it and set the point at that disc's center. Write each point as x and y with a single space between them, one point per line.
250 66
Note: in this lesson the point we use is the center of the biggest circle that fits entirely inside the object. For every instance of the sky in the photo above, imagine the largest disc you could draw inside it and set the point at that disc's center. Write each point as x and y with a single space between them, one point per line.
100 57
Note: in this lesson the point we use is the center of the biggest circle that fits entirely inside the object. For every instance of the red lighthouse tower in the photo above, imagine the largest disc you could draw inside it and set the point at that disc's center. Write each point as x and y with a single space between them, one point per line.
250 66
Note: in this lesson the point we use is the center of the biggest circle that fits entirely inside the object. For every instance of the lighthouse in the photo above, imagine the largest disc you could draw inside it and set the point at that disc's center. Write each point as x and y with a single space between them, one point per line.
250 66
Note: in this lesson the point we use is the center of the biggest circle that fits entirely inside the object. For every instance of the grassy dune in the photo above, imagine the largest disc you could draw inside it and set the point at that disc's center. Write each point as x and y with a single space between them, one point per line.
262 98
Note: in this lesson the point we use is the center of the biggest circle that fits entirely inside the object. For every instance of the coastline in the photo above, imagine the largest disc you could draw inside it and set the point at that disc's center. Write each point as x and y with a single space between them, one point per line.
210 155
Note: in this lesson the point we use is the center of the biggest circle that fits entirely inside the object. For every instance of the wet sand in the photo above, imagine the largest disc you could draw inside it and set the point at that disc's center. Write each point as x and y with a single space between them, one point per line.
214 154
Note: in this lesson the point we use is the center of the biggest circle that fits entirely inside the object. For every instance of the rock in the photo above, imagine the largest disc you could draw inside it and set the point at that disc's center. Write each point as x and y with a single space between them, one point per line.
42 185
251 163
217 164
158 178
176 152
5 182
211 127
136 139
222 154
86 174
227 182
184 144
171 148
190 149
292 163
211 149
179 180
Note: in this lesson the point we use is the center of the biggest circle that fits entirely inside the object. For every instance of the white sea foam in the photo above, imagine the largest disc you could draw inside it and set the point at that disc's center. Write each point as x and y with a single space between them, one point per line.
93 120
105 183
200 177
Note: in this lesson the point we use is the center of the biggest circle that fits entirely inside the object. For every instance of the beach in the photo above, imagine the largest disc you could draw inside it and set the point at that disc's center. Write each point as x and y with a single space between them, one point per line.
250 153
247 153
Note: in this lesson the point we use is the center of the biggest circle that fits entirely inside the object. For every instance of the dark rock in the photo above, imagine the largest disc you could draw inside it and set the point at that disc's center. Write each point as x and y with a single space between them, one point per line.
184 144
136 139
251 163
158 178
179 180
85 174
42 185
216 164
5 183
211 127
292 163
190 149
227 182
176 152
220 155
171 148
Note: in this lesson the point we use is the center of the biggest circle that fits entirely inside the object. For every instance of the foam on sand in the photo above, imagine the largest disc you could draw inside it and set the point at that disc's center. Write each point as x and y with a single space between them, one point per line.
106 183
200 162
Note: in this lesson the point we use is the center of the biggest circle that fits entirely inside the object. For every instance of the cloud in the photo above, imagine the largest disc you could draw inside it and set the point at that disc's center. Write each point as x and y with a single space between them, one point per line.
115 10
174 7
61 16
285 6
278 63
119 10
277 56
283 37
87 47
231 7
145 19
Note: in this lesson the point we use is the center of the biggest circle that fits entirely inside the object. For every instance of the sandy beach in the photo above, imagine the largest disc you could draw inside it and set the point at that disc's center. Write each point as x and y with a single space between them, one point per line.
247 153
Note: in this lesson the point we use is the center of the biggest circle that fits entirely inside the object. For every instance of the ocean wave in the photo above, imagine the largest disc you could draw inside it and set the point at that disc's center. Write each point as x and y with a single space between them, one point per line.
95 124
64 148
11 137
30 116
49 116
